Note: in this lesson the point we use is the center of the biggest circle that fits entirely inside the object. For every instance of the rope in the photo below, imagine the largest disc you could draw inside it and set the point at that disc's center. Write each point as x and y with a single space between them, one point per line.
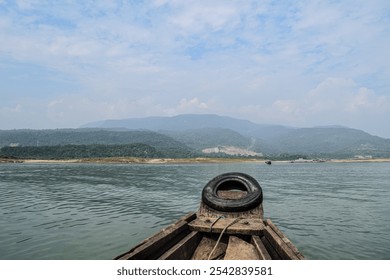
222 232
220 217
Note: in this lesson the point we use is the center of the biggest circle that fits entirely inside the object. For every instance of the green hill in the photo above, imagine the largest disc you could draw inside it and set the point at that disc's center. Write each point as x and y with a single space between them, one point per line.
164 145
80 151
332 141
202 138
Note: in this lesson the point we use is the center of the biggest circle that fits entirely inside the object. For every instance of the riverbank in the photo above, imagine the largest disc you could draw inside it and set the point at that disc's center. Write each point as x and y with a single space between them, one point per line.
362 160
134 160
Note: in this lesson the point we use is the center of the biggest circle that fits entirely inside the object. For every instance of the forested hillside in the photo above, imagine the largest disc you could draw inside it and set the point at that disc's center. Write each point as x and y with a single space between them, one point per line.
202 138
73 143
332 141
81 151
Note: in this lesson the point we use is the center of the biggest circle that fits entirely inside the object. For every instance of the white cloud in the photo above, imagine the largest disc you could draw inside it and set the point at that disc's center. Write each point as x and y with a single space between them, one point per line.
199 16
365 99
286 107
334 100
192 104
12 110
344 96
25 4
302 63
54 103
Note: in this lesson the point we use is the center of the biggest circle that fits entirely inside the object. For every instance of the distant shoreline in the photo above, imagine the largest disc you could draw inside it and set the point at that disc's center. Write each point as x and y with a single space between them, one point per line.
133 160
124 160
362 160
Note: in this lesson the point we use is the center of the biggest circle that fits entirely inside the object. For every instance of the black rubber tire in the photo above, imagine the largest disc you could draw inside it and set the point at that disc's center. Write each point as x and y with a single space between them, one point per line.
238 180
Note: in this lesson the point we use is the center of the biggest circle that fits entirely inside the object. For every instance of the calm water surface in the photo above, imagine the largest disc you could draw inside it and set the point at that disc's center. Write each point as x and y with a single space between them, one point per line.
97 211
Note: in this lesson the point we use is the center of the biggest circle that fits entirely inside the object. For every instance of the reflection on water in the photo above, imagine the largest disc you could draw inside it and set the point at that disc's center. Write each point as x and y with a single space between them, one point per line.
87 211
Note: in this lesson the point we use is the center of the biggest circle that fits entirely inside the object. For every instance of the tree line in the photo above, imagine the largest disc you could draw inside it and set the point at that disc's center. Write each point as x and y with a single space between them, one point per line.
90 151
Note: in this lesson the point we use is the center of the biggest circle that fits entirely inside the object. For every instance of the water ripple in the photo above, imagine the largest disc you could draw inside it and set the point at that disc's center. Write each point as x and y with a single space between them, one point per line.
330 211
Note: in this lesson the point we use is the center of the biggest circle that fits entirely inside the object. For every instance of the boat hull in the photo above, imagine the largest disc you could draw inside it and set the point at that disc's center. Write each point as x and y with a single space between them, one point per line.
191 239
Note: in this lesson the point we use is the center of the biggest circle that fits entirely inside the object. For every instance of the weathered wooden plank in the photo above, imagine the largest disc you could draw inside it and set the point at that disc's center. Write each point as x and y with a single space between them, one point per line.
271 250
184 249
232 194
155 245
256 213
261 250
283 250
151 247
244 226
239 249
206 245
285 239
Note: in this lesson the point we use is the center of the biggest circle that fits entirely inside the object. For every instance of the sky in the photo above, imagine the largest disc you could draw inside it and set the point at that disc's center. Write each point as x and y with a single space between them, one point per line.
295 63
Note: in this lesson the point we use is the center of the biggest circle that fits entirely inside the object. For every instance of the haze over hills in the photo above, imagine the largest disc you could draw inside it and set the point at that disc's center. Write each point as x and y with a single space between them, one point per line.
207 131
194 121
201 135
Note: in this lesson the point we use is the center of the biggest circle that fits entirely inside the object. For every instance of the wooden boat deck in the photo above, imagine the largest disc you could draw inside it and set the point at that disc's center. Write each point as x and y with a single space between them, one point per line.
190 238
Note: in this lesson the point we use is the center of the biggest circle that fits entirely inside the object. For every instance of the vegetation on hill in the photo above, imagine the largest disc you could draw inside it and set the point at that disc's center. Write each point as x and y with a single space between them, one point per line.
51 137
188 136
80 151
335 142
81 143
202 138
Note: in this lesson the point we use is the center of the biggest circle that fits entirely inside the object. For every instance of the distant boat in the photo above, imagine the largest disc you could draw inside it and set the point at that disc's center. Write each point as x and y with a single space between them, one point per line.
268 162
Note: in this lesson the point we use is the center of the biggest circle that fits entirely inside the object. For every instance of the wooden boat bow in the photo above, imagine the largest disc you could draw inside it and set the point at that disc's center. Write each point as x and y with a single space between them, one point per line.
219 231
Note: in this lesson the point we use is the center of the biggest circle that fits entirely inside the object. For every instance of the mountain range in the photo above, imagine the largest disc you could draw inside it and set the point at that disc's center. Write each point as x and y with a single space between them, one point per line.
194 121
200 135
212 131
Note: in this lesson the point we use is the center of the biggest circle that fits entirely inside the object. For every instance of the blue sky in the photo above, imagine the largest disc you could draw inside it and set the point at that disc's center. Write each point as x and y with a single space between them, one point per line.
296 63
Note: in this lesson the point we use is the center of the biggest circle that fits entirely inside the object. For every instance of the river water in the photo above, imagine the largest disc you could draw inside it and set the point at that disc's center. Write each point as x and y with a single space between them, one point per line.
97 211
